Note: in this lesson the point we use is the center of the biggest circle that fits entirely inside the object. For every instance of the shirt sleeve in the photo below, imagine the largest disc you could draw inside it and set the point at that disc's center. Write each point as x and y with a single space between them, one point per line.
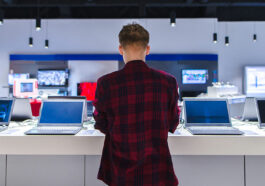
99 103
174 110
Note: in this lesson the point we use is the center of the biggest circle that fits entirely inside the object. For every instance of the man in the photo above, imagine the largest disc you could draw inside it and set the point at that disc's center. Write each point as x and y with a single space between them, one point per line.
136 107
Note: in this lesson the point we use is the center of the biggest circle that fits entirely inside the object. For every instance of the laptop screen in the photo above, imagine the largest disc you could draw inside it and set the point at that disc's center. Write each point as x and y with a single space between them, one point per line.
5 110
61 112
261 107
207 113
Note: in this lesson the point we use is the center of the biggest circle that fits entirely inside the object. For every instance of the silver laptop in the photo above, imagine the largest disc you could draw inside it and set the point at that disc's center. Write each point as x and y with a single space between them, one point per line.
6 108
208 117
72 98
59 117
260 103
22 110
250 111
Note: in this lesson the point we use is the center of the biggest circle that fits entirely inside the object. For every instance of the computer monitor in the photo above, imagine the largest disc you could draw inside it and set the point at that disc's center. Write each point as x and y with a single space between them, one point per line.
6 107
61 113
53 77
260 102
12 77
254 81
206 112
24 88
87 89
194 76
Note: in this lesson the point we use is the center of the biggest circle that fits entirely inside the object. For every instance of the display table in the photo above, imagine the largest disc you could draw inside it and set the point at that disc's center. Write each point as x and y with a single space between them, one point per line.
74 160
90 142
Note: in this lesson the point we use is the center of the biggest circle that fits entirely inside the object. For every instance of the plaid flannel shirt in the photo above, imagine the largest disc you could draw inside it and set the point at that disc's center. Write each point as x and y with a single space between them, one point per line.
135 108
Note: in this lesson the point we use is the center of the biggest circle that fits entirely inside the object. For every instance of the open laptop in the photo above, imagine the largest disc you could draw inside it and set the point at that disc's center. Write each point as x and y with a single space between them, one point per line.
250 111
72 98
208 117
6 108
59 117
22 110
260 103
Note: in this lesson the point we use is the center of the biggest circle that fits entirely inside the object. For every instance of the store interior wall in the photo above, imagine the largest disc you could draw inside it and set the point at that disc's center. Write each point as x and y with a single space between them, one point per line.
101 36
88 71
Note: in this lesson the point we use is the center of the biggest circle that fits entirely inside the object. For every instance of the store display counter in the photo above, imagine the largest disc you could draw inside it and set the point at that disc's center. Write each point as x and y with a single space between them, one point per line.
90 142
74 160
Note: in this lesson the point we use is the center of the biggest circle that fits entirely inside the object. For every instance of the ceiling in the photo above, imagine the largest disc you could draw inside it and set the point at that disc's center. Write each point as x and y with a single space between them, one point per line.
233 10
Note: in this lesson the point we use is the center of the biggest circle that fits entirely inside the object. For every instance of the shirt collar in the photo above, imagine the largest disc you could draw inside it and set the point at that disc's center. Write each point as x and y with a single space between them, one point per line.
135 63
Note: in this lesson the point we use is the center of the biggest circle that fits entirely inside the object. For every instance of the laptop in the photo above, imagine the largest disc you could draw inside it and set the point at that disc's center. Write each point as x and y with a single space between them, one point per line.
6 108
208 117
59 117
260 103
22 110
250 111
72 98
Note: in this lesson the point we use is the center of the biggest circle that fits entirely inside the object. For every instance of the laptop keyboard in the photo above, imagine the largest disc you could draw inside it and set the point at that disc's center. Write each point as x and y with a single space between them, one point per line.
57 128
214 131
54 130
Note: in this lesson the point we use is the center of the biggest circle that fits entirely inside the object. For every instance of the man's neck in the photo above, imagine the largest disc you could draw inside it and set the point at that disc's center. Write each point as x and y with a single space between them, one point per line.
126 60
132 53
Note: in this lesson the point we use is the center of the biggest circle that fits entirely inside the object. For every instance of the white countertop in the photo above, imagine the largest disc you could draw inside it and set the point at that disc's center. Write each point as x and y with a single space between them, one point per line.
90 142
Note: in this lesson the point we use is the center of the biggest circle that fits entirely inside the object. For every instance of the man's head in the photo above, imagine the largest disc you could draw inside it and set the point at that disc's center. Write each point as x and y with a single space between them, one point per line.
134 40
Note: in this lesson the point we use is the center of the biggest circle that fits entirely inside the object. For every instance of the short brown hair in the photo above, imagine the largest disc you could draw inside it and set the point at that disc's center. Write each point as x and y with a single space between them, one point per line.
134 34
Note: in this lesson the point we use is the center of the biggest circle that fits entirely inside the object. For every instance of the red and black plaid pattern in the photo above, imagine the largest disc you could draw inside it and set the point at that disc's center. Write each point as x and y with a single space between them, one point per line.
136 107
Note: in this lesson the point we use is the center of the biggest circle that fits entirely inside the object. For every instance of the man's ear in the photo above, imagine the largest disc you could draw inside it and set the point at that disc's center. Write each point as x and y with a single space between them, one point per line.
120 50
148 50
